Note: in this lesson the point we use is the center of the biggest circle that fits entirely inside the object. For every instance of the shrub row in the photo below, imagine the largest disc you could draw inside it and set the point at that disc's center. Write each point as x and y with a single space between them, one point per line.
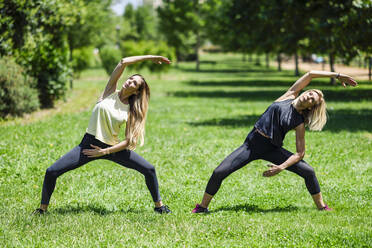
110 55
18 94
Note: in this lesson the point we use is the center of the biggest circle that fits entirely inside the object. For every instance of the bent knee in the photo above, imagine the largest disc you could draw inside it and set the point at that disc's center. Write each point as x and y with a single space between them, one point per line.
150 170
220 174
307 170
51 173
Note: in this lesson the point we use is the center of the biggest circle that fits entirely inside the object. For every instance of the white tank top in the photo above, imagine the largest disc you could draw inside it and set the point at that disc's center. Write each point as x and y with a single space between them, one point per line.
107 117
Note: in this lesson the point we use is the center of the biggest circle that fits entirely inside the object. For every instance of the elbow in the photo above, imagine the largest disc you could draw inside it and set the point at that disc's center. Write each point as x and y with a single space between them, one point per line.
301 155
310 74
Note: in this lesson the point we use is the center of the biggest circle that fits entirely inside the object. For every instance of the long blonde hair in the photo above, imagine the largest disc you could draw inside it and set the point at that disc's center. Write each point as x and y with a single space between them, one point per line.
138 106
316 117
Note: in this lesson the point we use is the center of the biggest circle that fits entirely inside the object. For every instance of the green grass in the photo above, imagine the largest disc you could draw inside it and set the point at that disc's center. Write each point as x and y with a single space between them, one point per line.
195 120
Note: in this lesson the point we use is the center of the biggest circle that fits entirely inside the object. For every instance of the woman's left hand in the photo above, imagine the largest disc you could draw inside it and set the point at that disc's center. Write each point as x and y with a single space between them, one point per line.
275 169
346 80
95 152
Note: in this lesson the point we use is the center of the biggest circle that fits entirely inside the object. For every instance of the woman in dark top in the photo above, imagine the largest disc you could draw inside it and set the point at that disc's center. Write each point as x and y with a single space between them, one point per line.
265 141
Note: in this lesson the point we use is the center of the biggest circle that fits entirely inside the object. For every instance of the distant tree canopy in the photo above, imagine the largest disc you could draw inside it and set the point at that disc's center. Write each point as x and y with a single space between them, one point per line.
51 38
336 27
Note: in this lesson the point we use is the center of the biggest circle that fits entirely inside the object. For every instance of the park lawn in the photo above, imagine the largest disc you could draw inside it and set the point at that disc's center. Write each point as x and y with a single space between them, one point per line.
195 120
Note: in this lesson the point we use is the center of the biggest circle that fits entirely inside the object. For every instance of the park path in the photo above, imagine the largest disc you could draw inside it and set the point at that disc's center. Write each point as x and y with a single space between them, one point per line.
355 72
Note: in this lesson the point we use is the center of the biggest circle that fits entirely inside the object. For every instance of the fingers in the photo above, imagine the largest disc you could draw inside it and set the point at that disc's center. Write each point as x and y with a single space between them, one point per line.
268 173
161 59
352 82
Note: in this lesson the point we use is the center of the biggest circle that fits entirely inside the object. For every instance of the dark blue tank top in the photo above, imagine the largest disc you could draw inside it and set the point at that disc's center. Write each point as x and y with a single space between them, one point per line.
278 119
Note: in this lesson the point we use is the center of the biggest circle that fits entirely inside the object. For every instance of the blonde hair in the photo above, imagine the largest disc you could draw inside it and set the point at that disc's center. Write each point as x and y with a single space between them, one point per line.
316 117
138 106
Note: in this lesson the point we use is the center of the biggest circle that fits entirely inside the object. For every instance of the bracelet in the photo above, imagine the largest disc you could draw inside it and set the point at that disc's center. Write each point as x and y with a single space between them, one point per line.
338 75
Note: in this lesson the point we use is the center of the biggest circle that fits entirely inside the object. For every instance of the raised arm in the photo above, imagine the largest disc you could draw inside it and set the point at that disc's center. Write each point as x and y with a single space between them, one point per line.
115 75
304 81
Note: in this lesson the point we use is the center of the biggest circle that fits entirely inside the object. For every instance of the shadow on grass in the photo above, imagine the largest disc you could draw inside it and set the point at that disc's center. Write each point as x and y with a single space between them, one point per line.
256 209
226 70
261 83
97 209
336 95
248 83
239 121
339 120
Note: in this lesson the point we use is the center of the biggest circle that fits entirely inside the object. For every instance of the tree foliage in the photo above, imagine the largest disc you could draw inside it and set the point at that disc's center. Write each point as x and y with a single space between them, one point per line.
41 35
181 23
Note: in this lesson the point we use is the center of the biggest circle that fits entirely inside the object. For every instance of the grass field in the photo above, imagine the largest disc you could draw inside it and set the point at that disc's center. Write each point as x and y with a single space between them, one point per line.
195 120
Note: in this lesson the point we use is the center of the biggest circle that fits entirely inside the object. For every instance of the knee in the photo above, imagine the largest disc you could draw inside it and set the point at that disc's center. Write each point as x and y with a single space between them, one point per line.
150 171
51 173
308 171
219 174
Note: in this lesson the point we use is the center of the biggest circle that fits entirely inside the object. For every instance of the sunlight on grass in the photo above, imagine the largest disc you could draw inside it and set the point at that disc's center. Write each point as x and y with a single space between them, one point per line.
195 120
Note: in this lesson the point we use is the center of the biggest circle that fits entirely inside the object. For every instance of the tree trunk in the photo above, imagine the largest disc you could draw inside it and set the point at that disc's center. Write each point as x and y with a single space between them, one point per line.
267 60
71 82
258 62
297 73
197 50
279 59
196 4
369 68
332 66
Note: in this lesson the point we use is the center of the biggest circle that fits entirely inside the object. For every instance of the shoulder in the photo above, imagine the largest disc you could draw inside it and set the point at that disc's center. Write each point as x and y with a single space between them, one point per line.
287 96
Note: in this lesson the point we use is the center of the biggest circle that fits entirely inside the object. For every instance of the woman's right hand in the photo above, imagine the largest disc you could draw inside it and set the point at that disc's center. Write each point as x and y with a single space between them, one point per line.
160 59
346 80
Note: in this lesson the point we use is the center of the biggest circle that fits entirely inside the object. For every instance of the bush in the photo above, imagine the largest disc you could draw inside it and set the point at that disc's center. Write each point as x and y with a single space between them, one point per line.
17 92
83 58
110 57
132 48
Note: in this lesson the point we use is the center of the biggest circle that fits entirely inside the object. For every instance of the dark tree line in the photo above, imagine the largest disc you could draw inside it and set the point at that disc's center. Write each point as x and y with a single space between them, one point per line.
336 28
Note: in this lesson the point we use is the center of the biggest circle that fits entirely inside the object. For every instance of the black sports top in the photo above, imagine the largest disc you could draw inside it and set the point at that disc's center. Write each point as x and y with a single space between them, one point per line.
278 119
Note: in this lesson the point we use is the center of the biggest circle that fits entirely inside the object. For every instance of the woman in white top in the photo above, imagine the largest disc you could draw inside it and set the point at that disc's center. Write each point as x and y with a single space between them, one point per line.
114 107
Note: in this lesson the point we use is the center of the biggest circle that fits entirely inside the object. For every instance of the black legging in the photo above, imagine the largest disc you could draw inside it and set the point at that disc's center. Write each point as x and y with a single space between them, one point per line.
255 147
75 158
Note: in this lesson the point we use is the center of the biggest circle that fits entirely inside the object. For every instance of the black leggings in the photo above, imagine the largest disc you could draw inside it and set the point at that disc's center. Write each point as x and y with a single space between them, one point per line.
75 158
255 147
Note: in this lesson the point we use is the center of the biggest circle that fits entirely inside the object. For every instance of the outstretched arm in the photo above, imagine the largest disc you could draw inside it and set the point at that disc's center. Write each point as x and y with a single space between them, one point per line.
115 75
304 81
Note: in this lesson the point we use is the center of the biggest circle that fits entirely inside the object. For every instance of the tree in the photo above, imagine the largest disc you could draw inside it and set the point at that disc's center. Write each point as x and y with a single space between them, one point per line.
93 26
331 30
181 24
33 32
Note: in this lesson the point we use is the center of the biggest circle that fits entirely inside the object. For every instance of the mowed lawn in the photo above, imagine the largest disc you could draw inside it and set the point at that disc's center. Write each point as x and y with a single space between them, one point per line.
195 120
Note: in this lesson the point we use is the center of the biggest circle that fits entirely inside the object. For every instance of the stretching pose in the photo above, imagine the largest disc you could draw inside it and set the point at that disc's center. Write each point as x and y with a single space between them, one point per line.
114 107
265 141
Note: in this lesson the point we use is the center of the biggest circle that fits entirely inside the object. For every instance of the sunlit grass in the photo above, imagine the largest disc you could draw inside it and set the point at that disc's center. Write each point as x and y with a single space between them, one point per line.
195 120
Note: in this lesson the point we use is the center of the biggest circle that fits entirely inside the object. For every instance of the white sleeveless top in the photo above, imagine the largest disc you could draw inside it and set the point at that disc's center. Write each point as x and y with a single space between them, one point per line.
107 117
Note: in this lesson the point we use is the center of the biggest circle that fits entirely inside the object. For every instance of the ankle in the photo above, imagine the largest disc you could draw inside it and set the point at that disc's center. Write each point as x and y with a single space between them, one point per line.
44 207
158 204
